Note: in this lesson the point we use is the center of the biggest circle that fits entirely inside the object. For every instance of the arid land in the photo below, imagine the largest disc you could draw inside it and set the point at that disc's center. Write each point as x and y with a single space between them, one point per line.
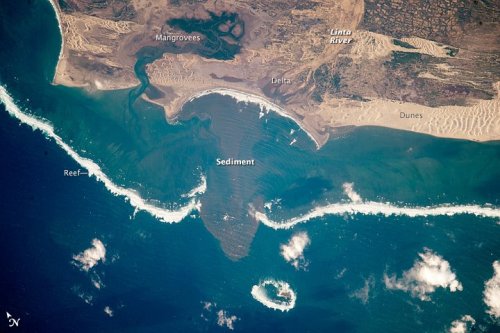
425 66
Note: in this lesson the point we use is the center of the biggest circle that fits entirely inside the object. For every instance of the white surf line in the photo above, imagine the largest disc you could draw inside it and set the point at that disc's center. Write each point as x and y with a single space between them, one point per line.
283 290
237 95
379 208
59 24
162 214
200 189
251 98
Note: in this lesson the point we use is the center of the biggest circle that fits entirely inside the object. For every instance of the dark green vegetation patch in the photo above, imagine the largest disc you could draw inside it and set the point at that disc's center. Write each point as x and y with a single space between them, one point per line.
402 44
221 34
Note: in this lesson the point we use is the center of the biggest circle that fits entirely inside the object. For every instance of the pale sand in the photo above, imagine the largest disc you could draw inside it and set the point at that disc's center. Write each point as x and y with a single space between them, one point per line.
370 45
76 40
60 66
478 122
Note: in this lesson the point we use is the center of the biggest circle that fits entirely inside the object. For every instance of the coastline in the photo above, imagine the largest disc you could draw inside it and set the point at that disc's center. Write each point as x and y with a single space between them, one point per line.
61 51
62 75
478 121
265 106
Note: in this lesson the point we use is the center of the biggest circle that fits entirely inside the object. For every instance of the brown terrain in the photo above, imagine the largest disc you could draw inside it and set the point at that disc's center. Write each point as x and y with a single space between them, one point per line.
419 65
439 59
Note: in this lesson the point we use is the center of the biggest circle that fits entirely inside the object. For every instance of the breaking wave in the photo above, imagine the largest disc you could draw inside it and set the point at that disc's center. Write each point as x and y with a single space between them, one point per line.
139 203
378 208
200 189
59 25
265 106
283 297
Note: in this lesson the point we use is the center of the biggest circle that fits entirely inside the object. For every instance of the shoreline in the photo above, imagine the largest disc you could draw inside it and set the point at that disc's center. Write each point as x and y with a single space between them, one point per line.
478 122
61 51
263 103
237 95
344 114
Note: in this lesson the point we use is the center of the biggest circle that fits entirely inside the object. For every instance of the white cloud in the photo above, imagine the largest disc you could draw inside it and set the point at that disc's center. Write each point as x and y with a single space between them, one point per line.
108 311
86 297
91 256
223 319
429 272
293 252
208 306
97 281
341 273
363 294
462 325
492 292
349 191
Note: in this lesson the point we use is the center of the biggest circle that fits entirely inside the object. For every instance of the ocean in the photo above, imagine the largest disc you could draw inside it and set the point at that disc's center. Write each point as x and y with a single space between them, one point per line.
194 247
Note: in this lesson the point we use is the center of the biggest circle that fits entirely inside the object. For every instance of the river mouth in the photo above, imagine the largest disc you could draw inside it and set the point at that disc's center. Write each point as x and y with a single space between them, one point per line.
233 130
138 149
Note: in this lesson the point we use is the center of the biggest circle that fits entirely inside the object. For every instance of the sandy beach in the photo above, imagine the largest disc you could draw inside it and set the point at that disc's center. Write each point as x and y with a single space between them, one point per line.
478 120
264 104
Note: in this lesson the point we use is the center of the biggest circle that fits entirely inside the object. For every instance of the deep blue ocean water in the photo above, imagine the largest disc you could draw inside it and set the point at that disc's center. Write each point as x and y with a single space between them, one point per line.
157 276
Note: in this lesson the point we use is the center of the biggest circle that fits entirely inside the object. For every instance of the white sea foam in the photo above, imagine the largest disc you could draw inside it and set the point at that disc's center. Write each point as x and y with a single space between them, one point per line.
264 104
492 292
462 325
284 298
200 189
293 251
379 208
162 214
349 191
428 273
270 204
91 256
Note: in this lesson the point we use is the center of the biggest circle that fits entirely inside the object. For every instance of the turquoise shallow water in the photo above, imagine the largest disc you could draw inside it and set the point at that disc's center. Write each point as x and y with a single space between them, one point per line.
158 276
